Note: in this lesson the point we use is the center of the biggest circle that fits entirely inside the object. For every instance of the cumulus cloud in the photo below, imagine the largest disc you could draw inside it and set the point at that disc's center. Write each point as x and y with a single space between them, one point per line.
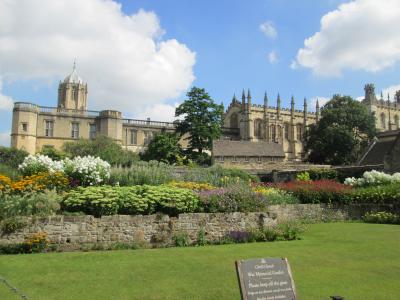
321 100
158 112
273 57
125 60
5 139
268 29
358 35
6 102
391 90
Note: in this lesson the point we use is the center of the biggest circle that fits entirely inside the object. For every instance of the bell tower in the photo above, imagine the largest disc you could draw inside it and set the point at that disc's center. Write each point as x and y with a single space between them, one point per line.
72 92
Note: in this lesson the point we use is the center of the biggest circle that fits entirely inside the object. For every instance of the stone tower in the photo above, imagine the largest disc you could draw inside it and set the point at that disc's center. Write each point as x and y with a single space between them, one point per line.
370 96
72 92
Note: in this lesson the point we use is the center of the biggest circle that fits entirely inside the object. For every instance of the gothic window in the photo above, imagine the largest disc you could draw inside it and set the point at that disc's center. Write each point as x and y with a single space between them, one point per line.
24 127
273 133
133 136
48 131
396 122
92 131
299 131
383 121
286 131
234 123
258 128
280 132
75 130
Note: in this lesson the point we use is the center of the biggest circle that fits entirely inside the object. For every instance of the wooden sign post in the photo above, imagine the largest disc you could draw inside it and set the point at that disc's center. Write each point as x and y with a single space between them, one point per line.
265 279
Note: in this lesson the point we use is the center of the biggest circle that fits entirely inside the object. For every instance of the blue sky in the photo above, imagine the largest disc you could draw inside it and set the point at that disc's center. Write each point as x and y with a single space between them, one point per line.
142 56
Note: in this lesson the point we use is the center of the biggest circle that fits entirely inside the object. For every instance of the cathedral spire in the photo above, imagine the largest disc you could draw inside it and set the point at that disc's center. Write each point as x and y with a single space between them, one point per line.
317 110
292 103
278 106
390 120
248 100
234 100
265 103
243 100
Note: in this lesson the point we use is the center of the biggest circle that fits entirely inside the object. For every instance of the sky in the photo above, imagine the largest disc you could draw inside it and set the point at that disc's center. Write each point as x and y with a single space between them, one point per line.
142 56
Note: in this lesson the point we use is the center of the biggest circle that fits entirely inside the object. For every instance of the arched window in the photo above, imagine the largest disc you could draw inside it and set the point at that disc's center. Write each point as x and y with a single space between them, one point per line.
299 131
383 121
258 128
286 131
234 123
396 122
273 133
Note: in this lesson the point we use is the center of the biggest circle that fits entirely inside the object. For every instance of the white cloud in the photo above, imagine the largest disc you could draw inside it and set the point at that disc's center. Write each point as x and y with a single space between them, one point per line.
124 59
268 29
5 139
158 112
321 100
358 35
6 102
391 90
272 57
293 65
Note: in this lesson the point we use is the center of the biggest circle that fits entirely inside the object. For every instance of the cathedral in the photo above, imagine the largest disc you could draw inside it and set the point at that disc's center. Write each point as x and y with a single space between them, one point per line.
251 133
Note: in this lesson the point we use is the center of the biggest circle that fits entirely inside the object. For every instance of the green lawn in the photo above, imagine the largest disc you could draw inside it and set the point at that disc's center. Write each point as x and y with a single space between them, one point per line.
354 260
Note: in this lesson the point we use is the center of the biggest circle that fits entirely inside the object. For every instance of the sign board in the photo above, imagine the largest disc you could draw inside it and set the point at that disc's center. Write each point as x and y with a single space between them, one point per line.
265 279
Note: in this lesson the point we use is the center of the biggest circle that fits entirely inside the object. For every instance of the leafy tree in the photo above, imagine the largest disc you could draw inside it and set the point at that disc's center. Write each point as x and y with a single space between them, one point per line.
163 147
12 157
102 146
342 133
202 119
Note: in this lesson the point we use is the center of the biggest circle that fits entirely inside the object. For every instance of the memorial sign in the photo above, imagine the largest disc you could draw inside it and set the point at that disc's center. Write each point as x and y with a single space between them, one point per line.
265 279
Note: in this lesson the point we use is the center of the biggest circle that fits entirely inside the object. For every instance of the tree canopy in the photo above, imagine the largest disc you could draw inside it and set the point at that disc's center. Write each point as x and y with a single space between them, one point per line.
164 147
202 119
344 130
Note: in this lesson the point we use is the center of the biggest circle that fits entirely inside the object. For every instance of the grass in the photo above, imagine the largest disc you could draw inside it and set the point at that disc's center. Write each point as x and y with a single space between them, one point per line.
354 260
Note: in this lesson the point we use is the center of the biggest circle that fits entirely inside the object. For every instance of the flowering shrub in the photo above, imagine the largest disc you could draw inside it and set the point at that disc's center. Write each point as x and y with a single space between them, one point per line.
320 191
37 242
33 183
387 194
274 195
34 164
373 178
194 186
87 170
235 198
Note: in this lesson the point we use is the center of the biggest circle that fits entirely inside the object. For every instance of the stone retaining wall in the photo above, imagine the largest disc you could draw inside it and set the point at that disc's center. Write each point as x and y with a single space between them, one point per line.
70 232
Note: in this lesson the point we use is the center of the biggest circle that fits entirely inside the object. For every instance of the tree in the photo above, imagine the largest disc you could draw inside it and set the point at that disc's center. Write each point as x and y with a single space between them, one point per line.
202 119
102 146
342 133
163 147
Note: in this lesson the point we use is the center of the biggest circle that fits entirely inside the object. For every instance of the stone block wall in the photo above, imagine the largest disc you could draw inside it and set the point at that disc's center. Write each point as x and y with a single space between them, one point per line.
70 232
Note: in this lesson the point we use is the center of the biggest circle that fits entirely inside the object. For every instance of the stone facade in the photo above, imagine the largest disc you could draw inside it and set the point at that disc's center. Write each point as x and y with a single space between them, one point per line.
254 123
69 232
36 126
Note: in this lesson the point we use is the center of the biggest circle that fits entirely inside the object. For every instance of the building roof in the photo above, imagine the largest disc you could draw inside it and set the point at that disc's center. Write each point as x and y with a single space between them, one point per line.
376 152
246 148
73 77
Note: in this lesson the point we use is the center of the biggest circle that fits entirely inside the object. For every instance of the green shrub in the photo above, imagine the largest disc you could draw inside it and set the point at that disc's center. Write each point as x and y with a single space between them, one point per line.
218 176
145 199
181 239
31 204
201 237
9 171
11 225
152 173
323 173
53 153
104 147
381 217
303 176
384 194
12 157
289 230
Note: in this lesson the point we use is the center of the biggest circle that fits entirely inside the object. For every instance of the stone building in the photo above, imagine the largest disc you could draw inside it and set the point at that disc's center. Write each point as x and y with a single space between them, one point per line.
35 126
386 112
263 123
